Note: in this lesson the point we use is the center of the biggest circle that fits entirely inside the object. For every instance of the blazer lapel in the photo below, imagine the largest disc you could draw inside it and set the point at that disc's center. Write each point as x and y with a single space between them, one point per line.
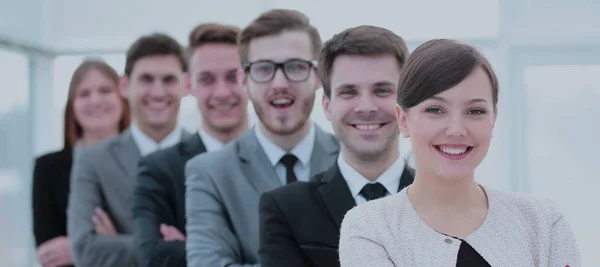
324 149
255 164
336 194
126 153
185 134
192 146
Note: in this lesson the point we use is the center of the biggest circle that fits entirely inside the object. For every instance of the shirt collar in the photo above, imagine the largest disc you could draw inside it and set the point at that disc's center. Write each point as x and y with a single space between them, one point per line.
146 145
210 142
302 151
390 178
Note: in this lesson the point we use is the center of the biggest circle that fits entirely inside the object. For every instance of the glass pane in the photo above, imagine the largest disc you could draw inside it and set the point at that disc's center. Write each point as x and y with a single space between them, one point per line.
413 20
562 134
15 161
495 169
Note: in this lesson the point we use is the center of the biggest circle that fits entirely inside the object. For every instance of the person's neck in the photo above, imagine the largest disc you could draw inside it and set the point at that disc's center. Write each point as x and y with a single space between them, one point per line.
91 137
372 168
431 193
286 142
226 136
157 134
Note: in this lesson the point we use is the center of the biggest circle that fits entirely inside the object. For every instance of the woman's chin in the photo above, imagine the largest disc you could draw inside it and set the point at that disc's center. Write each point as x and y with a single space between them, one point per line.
455 175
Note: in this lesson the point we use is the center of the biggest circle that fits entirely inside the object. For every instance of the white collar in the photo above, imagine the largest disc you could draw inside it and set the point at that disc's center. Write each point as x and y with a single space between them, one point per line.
390 179
302 151
210 142
147 145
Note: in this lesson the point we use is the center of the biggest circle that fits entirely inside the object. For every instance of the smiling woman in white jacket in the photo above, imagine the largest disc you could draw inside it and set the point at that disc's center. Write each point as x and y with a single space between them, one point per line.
447 106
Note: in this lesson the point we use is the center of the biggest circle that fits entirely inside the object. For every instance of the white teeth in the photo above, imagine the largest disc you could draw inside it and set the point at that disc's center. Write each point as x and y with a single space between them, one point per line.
157 105
367 127
281 101
453 151
223 107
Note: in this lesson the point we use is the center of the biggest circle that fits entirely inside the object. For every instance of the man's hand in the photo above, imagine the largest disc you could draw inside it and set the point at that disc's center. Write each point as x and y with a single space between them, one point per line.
103 224
171 233
55 252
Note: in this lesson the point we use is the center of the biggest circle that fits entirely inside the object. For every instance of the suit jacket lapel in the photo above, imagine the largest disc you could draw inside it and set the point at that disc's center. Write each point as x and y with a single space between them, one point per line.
325 147
407 178
192 146
126 153
336 194
255 164
185 135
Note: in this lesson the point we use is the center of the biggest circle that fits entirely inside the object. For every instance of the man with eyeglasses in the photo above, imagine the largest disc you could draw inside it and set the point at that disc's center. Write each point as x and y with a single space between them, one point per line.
223 188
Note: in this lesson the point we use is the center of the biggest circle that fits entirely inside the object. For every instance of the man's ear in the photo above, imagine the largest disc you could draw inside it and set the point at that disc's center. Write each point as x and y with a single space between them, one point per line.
241 77
318 83
402 123
123 85
326 101
188 83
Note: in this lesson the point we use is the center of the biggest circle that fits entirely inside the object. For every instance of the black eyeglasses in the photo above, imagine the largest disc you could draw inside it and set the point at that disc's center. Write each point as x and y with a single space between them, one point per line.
295 70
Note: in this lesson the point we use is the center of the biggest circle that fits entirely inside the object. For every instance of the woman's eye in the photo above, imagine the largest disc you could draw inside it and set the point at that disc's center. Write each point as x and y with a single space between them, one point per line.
477 111
434 110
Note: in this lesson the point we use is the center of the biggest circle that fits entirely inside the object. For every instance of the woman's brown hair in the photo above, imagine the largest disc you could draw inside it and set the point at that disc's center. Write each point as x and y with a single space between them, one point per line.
437 66
73 130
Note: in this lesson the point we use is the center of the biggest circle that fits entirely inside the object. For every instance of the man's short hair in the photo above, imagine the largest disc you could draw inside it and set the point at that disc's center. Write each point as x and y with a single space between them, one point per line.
156 44
213 33
274 22
363 40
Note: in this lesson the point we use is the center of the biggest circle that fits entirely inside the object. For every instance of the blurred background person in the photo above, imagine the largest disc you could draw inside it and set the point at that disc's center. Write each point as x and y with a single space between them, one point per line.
159 194
103 176
94 112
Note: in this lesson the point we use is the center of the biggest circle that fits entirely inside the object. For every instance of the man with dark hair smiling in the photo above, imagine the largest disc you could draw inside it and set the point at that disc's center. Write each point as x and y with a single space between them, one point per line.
102 178
300 223
159 196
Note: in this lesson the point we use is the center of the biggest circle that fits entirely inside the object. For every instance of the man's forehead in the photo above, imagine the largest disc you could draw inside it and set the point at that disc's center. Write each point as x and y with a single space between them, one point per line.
215 60
158 66
157 72
281 47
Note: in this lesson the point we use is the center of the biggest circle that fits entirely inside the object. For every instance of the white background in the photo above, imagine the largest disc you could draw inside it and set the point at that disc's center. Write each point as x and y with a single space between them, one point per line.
546 54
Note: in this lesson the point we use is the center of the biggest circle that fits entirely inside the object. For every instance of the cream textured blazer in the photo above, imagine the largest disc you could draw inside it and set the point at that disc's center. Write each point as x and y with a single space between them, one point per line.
519 230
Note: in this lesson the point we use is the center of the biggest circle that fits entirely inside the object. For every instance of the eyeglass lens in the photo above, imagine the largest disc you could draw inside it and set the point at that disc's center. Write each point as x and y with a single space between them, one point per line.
294 70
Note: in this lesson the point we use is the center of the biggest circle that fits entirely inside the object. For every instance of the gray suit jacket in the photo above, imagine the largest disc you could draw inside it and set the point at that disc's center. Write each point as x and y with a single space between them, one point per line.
103 175
223 189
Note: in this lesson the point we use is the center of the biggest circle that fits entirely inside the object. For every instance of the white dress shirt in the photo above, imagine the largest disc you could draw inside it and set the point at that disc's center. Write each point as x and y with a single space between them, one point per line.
302 151
211 143
146 145
390 178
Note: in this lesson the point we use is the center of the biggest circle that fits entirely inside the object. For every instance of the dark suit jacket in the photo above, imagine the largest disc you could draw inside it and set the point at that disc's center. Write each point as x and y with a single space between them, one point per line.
159 197
51 176
300 222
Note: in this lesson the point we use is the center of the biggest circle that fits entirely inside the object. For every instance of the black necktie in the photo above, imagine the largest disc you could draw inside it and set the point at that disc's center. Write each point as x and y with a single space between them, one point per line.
373 191
289 161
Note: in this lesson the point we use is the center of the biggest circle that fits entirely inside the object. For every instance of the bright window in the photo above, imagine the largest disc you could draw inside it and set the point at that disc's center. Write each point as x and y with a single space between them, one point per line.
15 160
562 134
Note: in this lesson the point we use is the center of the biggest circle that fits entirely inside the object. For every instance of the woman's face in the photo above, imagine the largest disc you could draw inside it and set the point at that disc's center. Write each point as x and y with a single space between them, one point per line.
96 102
451 132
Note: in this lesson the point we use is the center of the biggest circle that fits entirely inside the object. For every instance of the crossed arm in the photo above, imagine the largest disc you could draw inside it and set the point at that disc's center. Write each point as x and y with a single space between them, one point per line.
90 248
211 240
